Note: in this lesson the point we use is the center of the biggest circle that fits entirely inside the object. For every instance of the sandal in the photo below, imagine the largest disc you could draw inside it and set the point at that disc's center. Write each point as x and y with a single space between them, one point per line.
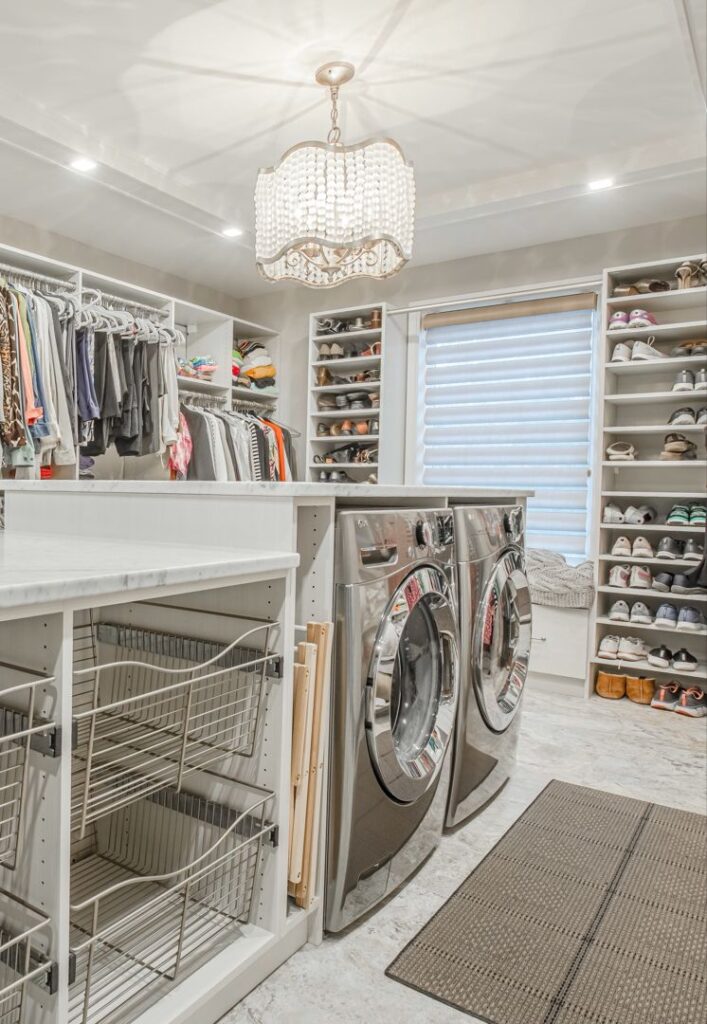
336 351
621 451
684 417
688 274
678 443
323 430
649 285
372 350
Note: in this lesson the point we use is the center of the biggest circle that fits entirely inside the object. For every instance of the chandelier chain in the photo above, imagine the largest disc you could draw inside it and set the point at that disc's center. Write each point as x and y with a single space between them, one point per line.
334 136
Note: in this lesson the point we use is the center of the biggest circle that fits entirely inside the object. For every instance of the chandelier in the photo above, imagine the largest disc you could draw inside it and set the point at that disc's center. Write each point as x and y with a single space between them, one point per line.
327 213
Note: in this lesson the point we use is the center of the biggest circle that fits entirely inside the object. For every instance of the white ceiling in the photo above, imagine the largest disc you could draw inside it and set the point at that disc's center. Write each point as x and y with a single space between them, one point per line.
506 108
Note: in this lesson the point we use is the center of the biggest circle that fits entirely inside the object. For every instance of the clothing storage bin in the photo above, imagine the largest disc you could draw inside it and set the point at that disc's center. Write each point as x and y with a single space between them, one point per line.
151 707
23 960
20 731
169 879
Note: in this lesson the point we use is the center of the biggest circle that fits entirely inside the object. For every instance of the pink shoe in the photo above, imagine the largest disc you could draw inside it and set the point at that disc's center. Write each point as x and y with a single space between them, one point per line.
641 318
619 320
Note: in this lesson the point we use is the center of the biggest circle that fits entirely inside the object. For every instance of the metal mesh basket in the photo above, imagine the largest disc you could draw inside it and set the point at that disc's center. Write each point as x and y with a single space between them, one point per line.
21 957
18 727
173 874
144 723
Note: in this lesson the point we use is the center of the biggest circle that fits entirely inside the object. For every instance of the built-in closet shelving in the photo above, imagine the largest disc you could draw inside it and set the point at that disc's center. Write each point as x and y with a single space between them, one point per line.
635 401
206 332
375 349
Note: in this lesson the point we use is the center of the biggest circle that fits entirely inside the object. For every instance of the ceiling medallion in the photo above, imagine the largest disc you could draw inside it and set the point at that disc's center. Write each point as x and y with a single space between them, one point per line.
328 213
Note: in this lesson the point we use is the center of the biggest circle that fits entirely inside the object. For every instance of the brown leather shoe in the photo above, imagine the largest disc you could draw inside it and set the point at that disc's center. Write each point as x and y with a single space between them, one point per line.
640 689
610 686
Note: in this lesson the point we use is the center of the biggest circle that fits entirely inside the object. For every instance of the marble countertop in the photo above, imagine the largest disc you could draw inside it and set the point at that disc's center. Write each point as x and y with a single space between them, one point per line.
43 569
297 489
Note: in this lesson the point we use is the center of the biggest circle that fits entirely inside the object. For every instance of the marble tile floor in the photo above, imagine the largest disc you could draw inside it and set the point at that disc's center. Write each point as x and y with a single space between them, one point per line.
617 746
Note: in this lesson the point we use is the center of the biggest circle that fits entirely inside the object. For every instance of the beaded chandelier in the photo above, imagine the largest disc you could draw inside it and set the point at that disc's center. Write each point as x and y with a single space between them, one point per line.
327 213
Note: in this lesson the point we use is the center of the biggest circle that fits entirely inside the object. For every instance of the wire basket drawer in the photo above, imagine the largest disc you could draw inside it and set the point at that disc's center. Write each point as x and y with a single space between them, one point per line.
22 957
161 707
172 876
19 728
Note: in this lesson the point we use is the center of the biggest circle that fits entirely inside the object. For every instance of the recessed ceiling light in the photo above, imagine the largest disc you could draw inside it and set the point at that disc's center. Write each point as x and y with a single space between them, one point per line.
600 183
83 164
231 232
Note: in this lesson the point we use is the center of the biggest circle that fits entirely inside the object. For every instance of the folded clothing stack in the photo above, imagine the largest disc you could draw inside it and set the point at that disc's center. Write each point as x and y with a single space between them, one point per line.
199 367
256 369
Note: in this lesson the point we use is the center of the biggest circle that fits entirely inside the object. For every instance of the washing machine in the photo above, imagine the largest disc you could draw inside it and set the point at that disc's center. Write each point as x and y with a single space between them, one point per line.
394 701
495 628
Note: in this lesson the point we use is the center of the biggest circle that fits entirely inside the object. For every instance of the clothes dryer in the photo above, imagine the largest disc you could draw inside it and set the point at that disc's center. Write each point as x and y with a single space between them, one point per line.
395 689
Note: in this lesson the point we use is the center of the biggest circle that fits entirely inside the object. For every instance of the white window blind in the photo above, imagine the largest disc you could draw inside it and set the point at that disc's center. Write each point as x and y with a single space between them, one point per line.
507 403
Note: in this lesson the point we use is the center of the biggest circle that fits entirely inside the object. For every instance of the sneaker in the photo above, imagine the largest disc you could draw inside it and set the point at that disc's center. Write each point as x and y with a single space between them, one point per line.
632 648
640 578
619 611
640 689
679 515
608 648
621 548
619 576
666 696
669 549
701 380
639 516
643 350
610 686
693 552
621 353
642 548
684 417
663 582
613 514
640 614
691 619
698 515
683 584
667 616
619 320
660 656
641 318
702 416
684 661
684 381
692 702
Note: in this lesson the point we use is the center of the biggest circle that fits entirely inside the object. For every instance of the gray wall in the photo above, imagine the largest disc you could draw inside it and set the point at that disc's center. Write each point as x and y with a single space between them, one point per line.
288 309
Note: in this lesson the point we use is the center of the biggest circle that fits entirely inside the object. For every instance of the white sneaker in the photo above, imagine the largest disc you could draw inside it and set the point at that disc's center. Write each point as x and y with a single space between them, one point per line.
642 548
621 353
619 611
619 576
643 350
639 516
641 614
613 514
641 578
608 648
621 548
631 648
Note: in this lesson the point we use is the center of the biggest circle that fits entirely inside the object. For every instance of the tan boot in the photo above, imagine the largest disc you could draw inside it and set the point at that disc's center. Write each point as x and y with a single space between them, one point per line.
610 686
640 689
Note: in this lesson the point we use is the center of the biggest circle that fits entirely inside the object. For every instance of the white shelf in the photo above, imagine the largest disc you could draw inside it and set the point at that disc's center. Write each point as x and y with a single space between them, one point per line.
670 363
333 389
369 332
655 463
201 386
346 439
678 298
343 465
659 428
644 668
661 563
652 528
254 393
345 414
640 397
662 332
349 363
658 595
685 634
679 497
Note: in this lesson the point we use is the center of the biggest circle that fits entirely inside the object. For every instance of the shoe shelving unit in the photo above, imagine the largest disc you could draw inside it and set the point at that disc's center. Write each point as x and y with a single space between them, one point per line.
635 402
390 366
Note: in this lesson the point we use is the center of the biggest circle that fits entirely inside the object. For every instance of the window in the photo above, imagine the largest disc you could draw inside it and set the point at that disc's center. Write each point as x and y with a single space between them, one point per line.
505 400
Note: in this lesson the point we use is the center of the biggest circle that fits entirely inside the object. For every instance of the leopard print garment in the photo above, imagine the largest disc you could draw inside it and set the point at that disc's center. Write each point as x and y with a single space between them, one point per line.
12 431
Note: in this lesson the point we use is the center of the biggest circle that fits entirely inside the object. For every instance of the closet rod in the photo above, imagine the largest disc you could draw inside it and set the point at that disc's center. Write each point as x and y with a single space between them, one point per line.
122 301
8 268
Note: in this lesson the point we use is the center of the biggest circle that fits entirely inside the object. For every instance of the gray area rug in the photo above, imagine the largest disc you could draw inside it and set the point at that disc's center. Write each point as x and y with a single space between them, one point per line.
592 909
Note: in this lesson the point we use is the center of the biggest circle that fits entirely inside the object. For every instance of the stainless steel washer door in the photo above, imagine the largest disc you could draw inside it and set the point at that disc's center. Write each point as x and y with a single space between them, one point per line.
413 685
502 642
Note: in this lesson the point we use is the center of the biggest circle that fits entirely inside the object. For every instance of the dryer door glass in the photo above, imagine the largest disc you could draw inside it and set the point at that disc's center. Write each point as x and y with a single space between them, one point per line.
412 685
502 642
